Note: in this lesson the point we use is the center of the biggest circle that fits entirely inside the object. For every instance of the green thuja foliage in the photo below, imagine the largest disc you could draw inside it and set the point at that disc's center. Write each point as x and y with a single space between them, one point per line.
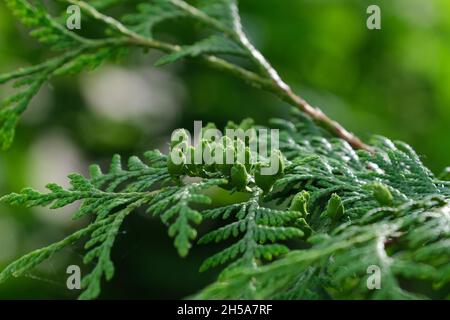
335 208
363 209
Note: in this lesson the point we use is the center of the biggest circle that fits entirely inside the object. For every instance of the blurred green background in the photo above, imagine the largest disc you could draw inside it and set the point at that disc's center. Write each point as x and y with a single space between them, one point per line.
394 82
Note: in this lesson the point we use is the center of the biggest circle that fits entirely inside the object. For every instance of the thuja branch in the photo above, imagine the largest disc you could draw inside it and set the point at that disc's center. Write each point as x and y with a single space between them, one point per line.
277 85
134 38
269 80
387 207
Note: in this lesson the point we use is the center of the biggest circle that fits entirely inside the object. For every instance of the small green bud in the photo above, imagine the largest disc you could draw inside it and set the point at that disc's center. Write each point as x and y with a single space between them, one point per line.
210 125
268 256
382 194
300 202
265 182
239 176
246 124
231 125
335 208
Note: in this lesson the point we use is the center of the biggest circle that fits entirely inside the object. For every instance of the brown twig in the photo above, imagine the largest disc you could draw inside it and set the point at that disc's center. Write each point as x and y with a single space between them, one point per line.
270 81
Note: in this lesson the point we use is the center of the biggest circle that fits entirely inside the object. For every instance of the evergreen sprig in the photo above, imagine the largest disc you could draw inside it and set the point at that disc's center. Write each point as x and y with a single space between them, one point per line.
336 207
261 229
109 198
76 53
384 209
342 211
